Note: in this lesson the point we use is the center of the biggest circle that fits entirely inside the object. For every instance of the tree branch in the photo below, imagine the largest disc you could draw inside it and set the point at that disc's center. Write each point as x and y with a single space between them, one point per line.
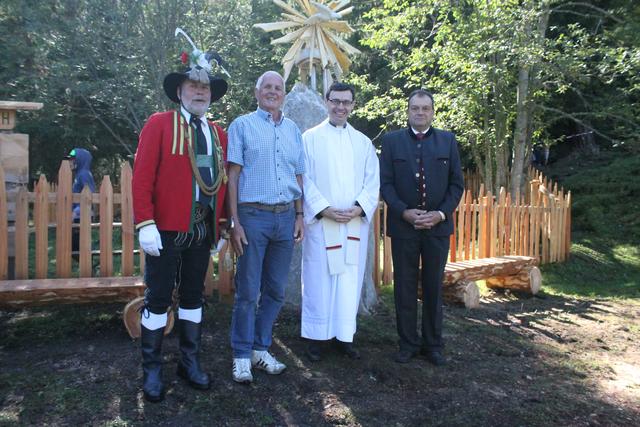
608 14
564 115
106 126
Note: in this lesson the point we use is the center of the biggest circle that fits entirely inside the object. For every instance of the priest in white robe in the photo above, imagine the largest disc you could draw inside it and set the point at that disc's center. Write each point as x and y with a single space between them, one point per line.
341 189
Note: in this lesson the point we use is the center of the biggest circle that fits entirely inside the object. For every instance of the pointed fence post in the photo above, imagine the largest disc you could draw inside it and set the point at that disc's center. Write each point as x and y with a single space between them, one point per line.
376 252
22 234
63 221
41 223
126 213
106 228
387 270
85 258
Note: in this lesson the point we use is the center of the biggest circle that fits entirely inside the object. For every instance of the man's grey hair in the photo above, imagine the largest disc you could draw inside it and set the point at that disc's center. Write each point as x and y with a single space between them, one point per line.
265 74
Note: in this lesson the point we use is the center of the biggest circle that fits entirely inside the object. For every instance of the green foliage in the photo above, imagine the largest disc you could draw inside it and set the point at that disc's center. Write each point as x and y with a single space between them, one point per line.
98 67
473 54
605 255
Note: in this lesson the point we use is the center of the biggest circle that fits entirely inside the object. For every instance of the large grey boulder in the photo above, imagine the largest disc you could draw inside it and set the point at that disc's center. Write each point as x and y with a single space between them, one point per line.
305 107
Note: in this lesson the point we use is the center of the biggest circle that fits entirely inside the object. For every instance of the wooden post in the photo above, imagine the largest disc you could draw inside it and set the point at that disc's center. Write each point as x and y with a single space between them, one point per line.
106 228
452 239
41 223
22 235
126 214
376 249
489 223
85 258
141 259
209 282
468 206
63 221
482 253
461 226
387 271
475 239
568 226
225 273
544 229
501 210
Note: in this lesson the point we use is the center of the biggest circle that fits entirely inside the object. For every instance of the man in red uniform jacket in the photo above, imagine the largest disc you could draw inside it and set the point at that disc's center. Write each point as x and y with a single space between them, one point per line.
178 194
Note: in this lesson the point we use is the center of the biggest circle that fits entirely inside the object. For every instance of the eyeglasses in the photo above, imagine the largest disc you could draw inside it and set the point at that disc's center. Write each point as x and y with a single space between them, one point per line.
343 102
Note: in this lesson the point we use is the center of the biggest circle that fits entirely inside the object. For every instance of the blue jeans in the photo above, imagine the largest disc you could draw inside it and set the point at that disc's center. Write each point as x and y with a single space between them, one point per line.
261 277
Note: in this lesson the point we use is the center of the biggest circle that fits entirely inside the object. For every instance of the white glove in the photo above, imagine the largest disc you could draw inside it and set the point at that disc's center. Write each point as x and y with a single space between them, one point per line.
150 240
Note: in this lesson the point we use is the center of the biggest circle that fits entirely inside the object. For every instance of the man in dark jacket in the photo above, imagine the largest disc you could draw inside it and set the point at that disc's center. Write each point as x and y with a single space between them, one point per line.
421 181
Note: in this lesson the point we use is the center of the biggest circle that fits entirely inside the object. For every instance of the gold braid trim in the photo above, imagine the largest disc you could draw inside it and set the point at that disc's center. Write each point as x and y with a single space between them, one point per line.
220 176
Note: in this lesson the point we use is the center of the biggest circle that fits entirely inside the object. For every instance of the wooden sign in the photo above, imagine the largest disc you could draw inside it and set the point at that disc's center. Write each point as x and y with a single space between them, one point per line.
8 112
7 119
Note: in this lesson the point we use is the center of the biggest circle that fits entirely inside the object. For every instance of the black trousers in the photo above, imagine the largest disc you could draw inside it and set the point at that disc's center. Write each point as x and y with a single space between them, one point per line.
183 262
406 254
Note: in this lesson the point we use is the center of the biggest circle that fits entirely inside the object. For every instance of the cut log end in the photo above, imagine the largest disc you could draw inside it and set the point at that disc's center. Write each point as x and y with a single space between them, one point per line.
529 280
536 280
463 292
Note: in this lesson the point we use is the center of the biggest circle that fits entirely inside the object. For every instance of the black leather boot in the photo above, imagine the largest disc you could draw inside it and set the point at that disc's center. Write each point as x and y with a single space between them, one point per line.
151 343
189 364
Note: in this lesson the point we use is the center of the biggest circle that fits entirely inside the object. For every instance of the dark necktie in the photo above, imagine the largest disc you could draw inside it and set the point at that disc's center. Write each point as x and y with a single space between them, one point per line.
205 172
422 185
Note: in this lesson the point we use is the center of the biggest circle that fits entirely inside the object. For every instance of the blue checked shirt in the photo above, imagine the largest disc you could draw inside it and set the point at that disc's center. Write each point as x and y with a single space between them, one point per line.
271 156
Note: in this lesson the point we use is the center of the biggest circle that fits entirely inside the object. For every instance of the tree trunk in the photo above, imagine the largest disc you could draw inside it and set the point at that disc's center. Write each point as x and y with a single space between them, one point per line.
488 160
520 132
500 118
527 84
477 157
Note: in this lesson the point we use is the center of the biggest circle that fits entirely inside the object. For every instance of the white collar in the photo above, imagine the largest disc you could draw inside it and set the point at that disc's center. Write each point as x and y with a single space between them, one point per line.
415 132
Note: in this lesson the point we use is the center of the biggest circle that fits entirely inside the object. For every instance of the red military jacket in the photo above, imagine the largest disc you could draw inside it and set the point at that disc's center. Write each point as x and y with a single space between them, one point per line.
163 182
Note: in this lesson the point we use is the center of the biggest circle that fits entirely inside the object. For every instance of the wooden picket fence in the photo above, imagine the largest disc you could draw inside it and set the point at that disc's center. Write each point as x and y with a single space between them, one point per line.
535 224
538 224
46 214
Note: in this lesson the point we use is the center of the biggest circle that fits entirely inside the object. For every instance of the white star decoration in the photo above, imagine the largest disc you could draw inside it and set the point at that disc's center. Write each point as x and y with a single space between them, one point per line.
316 37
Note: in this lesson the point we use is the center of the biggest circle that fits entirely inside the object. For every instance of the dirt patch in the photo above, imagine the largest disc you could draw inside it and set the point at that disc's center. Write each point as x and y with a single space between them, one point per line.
530 361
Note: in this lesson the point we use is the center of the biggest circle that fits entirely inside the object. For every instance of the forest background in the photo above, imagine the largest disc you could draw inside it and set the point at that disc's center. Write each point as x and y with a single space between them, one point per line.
508 75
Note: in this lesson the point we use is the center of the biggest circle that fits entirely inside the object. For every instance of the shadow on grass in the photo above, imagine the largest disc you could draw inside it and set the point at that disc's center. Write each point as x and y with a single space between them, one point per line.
511 362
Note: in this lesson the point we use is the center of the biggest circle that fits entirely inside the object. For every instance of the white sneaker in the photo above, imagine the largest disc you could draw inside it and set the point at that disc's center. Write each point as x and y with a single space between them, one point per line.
265 361
242 371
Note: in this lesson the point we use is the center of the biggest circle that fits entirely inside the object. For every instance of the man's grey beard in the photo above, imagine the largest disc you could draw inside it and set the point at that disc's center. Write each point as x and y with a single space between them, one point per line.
199 112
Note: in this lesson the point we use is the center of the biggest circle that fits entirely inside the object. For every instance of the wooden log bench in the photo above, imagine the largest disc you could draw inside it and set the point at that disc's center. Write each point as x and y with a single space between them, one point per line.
21 293
130 289
503 272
